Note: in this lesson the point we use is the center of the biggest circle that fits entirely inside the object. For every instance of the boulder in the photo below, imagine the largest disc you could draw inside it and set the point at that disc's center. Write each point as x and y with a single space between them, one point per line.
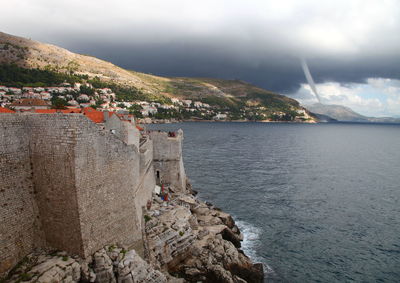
132 268
226 219
228 235
103 267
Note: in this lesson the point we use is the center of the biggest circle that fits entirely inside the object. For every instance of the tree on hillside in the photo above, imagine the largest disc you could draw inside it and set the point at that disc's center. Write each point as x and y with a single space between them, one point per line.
58 103
86 90
72 67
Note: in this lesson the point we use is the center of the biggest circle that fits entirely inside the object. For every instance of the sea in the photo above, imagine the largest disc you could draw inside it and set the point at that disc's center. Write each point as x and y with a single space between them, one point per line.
316 202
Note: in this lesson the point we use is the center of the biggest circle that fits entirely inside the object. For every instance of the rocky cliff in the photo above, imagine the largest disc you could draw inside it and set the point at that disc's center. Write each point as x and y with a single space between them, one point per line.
187 240
198 242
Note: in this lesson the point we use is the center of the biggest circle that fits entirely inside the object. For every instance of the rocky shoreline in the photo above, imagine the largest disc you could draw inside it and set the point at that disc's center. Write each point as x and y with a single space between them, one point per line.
186 240
197 241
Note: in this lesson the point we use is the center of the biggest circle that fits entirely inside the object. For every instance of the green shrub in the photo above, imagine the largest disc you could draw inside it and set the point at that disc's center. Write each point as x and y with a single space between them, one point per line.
123 251
147 218
25 277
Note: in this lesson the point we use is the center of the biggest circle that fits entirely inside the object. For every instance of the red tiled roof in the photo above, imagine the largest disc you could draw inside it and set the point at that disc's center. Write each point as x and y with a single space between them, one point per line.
88 109
72 110
6 110
45 111
66 111
95 116
30 102
98 116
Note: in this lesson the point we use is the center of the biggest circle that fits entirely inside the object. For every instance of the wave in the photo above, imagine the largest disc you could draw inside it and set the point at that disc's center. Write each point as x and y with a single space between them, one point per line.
251 243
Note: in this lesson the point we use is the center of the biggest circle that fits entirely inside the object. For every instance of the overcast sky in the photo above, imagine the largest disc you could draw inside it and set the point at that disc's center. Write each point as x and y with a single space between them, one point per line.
352 46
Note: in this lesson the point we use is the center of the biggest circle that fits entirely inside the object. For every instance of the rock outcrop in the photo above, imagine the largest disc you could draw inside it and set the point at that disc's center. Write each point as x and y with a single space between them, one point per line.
108 265
197 242
46 267
186 241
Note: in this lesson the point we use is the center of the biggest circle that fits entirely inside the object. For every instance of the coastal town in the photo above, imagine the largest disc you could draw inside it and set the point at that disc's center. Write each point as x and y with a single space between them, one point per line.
71 98
78 96
91 196
200 141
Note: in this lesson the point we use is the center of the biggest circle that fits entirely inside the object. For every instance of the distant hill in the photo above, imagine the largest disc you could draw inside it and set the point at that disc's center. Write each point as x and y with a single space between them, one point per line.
384 120
337 112
345 114
233 95
324 118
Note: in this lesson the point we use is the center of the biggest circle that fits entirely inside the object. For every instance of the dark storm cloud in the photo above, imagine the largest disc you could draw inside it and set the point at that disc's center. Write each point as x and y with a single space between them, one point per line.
256 41
281 73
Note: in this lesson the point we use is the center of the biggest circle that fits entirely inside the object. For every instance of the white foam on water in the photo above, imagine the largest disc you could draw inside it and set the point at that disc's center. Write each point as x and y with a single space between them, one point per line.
251 242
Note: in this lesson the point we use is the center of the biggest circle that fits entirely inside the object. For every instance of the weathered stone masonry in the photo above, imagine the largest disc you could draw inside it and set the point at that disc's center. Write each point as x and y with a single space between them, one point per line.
20 228
68 184
168 161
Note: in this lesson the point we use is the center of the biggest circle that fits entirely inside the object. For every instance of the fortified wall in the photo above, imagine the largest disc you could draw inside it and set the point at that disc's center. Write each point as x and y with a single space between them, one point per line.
168 161
69 184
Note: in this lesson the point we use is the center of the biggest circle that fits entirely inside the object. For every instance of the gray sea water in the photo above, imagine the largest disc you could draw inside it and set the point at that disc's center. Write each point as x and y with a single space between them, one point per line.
317 203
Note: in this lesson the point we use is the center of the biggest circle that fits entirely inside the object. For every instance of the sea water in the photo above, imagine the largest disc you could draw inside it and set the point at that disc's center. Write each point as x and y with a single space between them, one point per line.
316 202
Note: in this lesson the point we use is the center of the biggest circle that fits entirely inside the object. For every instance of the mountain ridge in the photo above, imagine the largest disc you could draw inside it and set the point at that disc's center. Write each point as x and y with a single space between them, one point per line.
346 114
234 95
337 112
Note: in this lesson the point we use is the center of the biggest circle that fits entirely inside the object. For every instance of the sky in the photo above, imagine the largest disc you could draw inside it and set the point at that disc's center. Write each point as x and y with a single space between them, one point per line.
352 47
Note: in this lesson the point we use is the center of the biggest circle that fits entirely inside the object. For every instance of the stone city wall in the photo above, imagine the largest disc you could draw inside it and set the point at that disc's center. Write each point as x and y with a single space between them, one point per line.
52 142
147 181
107 174
20 229
77 181
124 130
167 159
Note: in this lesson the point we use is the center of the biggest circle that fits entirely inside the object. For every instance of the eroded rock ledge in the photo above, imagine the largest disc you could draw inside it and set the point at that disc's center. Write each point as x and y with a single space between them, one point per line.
186 240
197 242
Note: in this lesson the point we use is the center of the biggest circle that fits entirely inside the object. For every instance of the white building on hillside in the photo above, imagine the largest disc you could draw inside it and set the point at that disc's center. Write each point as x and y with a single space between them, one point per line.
220 116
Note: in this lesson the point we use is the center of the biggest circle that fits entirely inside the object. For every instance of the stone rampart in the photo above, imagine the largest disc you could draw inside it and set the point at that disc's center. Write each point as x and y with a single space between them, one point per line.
20 229
123 129
106 176
167 159
67 184
52 142
147 181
